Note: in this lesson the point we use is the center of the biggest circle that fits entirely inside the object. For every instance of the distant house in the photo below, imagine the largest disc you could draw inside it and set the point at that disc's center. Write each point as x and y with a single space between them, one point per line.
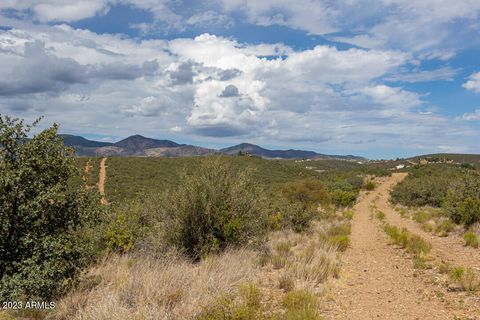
400 166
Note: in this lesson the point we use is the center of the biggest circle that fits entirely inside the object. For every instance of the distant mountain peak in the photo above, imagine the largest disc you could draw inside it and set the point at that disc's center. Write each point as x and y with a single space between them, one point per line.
72 140
138 145
138 142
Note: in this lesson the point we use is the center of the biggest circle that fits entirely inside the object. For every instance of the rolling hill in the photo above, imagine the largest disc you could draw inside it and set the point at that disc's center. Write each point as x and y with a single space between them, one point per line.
252 149
141 146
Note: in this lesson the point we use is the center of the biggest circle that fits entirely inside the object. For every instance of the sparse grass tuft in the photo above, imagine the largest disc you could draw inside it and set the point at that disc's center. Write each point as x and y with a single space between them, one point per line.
341 242
444 226
471 239
421 262
369 185
338 235
413 243
278 261
283 248
466 279
380 215
286 282
250 294
348 214
301 305
444 267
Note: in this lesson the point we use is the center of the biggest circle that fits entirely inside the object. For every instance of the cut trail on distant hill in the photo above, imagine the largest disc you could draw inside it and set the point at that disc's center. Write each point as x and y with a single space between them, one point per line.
102 174
87 171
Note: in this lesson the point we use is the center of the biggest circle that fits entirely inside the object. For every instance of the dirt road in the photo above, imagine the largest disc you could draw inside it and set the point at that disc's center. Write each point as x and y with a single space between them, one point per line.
102 174
378 280
450 249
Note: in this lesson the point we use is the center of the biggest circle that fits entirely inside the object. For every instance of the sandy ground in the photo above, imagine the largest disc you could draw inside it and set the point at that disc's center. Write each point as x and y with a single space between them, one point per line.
378 280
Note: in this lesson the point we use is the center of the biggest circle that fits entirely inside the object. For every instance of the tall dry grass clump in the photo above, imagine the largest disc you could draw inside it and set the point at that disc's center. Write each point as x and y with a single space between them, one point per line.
140 287
311 258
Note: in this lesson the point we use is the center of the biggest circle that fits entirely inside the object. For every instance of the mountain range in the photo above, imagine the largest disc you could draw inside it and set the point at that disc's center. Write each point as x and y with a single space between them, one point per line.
141 146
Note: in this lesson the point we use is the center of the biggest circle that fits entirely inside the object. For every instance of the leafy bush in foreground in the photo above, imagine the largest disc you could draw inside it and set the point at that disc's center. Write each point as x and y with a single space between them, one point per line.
44 238
211 209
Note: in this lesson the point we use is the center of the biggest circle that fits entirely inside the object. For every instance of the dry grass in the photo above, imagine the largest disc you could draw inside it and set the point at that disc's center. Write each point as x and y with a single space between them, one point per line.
238 284
430 219
147 288
310 258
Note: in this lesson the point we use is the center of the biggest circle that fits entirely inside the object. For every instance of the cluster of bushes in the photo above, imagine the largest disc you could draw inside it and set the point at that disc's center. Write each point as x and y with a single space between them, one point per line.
462 201
47 229
131 177
211 208
295 204
455 189
425 186
52 226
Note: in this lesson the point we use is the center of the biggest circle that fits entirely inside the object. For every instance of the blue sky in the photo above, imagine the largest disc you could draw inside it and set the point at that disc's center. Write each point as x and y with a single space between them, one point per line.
382 79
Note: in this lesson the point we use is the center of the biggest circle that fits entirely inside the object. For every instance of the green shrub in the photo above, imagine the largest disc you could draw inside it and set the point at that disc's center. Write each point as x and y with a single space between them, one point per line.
425 186
290 214
404 238
119 235
46 227
456 190
466 279
213 208
342 198
471 239
462 202
298 217
369 185
310 192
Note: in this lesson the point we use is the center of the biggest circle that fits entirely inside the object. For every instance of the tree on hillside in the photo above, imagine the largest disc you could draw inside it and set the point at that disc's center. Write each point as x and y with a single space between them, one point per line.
43 220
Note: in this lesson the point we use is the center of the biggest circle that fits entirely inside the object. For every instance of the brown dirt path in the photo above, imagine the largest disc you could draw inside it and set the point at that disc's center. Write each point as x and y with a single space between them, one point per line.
102 174
449 249
377 282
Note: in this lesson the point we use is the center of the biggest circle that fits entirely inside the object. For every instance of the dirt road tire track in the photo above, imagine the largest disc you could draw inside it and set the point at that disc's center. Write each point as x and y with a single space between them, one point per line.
378 281
450 249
